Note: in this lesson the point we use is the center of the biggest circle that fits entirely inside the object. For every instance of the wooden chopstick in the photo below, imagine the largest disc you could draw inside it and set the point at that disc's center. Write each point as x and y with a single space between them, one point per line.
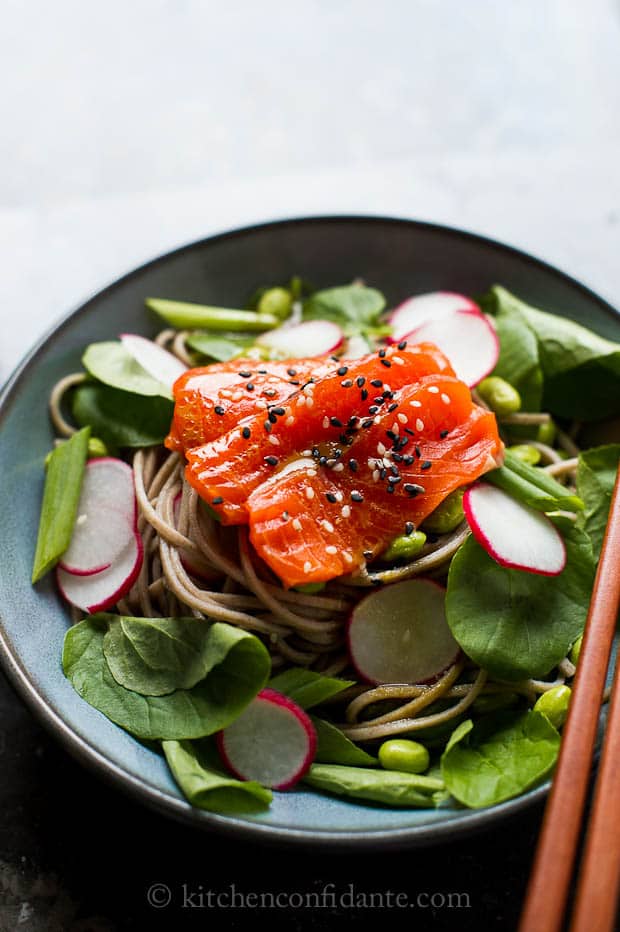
555 855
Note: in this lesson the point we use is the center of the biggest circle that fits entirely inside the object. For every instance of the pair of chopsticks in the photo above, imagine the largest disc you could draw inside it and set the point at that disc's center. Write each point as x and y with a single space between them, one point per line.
598 882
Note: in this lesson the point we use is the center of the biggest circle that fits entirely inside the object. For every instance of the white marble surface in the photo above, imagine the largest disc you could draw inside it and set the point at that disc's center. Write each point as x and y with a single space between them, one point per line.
129 127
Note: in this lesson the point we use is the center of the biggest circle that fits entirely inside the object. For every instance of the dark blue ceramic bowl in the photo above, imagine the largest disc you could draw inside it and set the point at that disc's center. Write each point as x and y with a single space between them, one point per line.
398 256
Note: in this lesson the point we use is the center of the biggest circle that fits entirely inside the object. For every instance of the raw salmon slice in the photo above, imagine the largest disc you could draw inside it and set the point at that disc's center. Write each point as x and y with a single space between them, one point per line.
225 471
311 523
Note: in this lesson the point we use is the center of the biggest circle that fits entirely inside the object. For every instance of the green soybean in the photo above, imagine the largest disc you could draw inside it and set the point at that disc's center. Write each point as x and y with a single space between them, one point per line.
546 432
404 547
406 756
97 448
447 516
576 650
554 704
526 453
500 395
277 302
182 314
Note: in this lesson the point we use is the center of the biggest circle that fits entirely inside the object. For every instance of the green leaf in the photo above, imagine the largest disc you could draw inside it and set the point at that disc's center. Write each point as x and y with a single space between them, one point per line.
499 757
383 786
307 688
113 365
355 307
186 713
221 348
581 370
61 496
519 361
532 486
155 656
596 476
184 315
335 748
198 771
513 623
120 418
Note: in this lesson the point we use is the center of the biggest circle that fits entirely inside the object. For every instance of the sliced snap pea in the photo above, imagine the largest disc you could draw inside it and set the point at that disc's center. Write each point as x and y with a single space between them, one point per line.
276 301
526 453
404 755
447 516
183 314
576 650
405 547
500 395
554 704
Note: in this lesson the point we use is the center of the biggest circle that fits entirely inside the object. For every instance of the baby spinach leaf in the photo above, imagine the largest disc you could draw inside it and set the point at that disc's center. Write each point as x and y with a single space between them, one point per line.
61 496
335 748
499 757
513 623
186 713
307 688
155 656
355 307
533 486
122 419
222 348
113 365
383 786
196 768
596 475
519 361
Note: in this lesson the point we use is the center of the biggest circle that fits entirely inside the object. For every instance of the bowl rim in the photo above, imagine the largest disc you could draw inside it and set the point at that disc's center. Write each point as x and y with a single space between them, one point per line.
142 790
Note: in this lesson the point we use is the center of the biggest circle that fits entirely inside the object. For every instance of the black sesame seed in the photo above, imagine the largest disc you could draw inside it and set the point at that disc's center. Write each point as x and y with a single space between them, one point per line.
353 465
360 381
377 383
443 434
322 460
397 457
394 470
390 489
250 387
271 460
292 372
426 464
388 394
267 426
393 437
386 363
352 421
279 411
338 453
402 345
409 431
407 459
331 497
382 354
217 500
272 416
418 452
357 497
247 433
409 528
294 382
347 383
382 474
219 410
270 392
394 480
315 452
262 371
335 358
335 422
412 489
343 370
402 443
245 375
343 439
368 423
373 409
378 400
364 394
392 407
367 554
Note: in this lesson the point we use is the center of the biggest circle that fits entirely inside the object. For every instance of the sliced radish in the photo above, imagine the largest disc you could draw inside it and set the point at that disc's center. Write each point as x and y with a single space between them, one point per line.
192 562
514 534
273 741
467 338
400 634
310 338
157 361
106 517
101 591
421 308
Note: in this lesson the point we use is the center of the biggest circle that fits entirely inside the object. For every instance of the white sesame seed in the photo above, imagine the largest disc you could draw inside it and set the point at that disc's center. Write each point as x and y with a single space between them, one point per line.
311 473
325 422
328 526
433 390
377 420
398 360
306 452
445 398
260 403
225 393
309 493
273 379
403 418
339 496
375 475
237 396
386 387
346 511
347 556
309 401
381 449
415 404
274 441
307 566
309 387
301 400
331 550
338 467
290 420
419 424
297 524
395 428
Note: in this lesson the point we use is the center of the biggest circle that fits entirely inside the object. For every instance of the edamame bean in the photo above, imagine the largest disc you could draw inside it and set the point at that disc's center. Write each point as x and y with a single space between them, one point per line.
447 516
405 547
526 453
500 395
97 448
276 301
554 704
401 754
576 650
310 588
546 432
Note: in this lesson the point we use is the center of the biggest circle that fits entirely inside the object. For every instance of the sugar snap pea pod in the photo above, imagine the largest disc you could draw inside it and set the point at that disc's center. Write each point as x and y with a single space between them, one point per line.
532 486
185 315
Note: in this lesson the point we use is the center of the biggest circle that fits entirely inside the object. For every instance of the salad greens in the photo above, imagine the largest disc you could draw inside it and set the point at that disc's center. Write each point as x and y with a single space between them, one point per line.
122 418
392 787
355 307
596 474
306 687
334 747
113 365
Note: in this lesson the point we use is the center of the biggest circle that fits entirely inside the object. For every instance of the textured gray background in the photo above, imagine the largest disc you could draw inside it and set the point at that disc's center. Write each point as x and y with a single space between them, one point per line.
127 128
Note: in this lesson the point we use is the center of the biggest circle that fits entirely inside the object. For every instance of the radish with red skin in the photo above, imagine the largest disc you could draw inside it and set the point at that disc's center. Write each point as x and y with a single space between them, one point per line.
154 359
273 741
101 591
310 338
513 534
467 338
399 634
421 308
